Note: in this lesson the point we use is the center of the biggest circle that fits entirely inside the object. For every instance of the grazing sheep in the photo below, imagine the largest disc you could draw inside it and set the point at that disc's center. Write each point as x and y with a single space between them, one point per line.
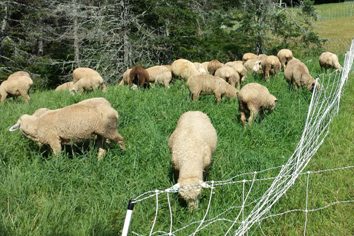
160 75
17 84
139 76
248 55
229 74
125 79
192 144
184 68
285 55
86 79
329 60
270 66
213 66
200 68
297 74
252 99
253 65
210 84
239 68
66 86
205 66
77 122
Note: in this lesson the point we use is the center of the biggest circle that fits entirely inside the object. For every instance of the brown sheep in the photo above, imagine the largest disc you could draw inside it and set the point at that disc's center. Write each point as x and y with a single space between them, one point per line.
252 99
285 55
213 66
297 74
139 76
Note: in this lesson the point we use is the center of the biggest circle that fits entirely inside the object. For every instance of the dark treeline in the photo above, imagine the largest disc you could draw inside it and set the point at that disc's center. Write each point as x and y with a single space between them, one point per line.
51 37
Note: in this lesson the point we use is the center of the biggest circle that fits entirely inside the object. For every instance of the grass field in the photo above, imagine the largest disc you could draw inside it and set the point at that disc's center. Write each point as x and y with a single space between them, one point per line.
78 195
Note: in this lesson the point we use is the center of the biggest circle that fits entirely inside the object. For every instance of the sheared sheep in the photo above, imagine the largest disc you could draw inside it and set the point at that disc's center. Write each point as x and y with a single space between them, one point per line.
239 68
285 55
230 75
213 65
66 86
252 99
139 76
192 144
248 55
184 68
270 66
329 60
86 79
160 75
297 74
17 84
77 122
210 84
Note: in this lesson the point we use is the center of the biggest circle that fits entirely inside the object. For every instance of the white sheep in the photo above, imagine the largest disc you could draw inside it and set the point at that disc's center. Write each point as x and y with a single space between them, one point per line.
253 65
86 79
210 84
239 68
160 75
230 75
17 84
125 77
285 55
297 74
270 66
213 65
77 122
201 68
329 60
184 68
252 99
65 86
248 55
192 144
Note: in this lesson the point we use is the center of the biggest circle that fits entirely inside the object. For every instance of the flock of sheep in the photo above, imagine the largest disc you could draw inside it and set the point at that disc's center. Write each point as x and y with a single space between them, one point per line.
194 139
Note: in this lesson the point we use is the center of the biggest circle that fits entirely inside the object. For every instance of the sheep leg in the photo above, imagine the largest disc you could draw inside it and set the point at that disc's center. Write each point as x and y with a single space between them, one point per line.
253 114
55 146
218 97
3 96
101 151
243 118
25 96
116 137
195 96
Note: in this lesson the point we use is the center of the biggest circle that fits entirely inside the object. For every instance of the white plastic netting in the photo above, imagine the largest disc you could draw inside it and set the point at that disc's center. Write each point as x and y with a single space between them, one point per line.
253 204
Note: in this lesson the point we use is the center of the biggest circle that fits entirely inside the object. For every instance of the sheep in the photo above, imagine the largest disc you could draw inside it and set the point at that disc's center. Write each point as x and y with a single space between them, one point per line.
248 55
270 66
66 86
285 55
253 65
329 60
297 74
17 84
184 68
239 67
200 68
160 74
213 66
86 79
229 74
252 99
210 84
125 79
139 76
77 122
192 144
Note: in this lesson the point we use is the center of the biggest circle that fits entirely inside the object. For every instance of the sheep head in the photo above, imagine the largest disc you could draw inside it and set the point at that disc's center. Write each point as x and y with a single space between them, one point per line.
231 91
272 102
312 84
28 126
190 189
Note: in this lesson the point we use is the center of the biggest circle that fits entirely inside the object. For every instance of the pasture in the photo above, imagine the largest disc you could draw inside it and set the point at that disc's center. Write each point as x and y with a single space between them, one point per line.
74 194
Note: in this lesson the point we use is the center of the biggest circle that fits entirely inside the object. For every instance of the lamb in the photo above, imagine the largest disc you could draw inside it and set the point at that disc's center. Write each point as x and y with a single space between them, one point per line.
285 55
213 66
329 60
66 86
270 66
17 84
248 55
297 74
252 99
192 144
229 75
160 74
239 67
77 122
139 76
210 84
86 79
184 68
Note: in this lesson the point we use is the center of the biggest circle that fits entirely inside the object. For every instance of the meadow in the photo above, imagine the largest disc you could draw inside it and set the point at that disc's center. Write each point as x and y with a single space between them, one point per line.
75 194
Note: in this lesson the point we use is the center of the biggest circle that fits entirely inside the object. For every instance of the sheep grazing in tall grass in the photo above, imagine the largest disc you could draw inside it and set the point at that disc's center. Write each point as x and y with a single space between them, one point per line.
298 75
160 75
184 69
210 84
230 75
285 55
87 79
65 86
81 121
213 65
139 76
239 68
329 60
248 55
254 98
192 144
17 84
270 66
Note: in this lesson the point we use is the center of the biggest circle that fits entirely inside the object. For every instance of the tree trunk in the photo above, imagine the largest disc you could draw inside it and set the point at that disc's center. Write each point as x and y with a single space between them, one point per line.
76 37
126 43
4 20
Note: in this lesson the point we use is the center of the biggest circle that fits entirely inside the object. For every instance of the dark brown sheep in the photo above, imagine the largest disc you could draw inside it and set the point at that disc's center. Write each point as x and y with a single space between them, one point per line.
139 76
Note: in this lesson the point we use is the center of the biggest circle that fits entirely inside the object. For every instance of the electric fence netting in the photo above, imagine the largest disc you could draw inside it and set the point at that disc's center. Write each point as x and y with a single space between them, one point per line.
252 195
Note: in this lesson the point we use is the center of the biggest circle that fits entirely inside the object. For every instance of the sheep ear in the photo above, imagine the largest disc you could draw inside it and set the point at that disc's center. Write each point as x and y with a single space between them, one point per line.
14 127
